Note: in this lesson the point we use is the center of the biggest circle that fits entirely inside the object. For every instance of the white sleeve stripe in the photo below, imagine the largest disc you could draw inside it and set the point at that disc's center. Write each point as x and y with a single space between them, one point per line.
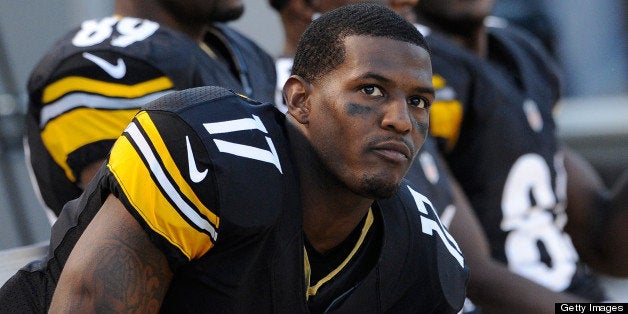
165 183
76 100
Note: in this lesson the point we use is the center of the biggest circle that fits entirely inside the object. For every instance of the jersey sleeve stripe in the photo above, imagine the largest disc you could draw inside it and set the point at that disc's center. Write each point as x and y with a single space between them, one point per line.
149 202
81 84
168 186
169 163
80 127
168 176
78 100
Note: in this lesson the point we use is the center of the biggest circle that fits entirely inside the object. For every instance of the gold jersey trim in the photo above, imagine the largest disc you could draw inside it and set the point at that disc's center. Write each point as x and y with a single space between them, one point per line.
312 290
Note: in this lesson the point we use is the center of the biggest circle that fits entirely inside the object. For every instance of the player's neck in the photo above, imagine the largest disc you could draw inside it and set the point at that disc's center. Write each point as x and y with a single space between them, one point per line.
330 210
327 224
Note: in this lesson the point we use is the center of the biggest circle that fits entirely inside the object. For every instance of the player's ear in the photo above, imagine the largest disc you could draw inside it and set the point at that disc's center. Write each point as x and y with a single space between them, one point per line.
296 92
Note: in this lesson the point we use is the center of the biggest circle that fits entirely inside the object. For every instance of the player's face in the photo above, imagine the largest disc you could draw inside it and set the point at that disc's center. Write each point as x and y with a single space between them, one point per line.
369 116
205 11
462 12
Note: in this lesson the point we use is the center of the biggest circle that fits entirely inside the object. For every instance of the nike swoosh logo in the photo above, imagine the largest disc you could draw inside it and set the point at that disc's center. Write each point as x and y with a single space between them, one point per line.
195 175
116 71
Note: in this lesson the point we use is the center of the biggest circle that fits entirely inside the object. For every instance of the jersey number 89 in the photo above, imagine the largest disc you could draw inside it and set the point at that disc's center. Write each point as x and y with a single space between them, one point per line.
130 30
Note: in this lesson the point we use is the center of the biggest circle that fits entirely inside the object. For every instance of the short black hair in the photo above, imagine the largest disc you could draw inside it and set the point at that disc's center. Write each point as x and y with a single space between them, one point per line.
321 48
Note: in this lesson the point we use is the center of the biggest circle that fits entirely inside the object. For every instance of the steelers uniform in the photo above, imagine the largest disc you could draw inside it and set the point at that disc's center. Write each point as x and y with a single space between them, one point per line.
208 175
90 84
493 121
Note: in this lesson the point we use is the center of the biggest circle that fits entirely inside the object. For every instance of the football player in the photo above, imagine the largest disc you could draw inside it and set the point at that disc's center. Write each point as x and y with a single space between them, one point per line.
496 93
210 201
89 85
490 282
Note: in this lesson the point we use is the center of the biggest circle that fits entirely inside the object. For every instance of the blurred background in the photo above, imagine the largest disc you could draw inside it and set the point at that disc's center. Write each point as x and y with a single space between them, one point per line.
588 38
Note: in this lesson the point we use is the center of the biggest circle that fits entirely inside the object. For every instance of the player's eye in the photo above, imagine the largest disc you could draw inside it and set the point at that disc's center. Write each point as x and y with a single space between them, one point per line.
372 91
418 102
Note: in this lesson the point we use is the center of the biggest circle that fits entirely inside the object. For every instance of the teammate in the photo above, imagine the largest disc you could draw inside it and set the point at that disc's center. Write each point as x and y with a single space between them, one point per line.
491 284
496 89
90 84
210 201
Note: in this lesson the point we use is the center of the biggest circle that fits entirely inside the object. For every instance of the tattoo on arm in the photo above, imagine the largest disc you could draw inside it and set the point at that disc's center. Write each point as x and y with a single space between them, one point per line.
114 267
128 278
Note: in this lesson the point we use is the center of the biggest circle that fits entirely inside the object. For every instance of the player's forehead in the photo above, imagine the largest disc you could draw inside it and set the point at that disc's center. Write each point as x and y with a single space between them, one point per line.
363 51
389 63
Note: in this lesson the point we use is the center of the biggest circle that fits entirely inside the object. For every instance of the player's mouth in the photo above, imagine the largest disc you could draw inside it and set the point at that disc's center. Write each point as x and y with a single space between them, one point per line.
394 151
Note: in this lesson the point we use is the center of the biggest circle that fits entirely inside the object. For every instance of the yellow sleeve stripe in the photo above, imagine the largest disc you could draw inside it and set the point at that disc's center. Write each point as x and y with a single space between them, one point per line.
82 84
173 184
78 100
445 120
150 203
80 127
175 173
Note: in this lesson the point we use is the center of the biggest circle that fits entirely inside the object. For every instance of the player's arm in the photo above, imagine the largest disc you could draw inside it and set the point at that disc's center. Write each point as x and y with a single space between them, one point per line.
597 216
114 267
491 284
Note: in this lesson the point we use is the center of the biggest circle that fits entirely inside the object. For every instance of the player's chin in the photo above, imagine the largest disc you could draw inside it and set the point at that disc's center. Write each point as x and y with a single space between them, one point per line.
380 186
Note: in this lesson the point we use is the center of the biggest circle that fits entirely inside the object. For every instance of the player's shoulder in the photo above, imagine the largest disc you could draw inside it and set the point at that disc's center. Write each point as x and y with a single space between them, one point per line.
219 113
206 101
97 43
411 220
516 38
237 37
220 143
247 49
442 47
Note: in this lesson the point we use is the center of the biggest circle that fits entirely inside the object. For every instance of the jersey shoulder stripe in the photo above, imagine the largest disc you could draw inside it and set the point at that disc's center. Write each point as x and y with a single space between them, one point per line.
75 111
81 100
166 202
73 84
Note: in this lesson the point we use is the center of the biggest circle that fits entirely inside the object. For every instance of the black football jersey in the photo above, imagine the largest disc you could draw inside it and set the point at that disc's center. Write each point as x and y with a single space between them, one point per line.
208 175
208 154
92 82
493 121
429 177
